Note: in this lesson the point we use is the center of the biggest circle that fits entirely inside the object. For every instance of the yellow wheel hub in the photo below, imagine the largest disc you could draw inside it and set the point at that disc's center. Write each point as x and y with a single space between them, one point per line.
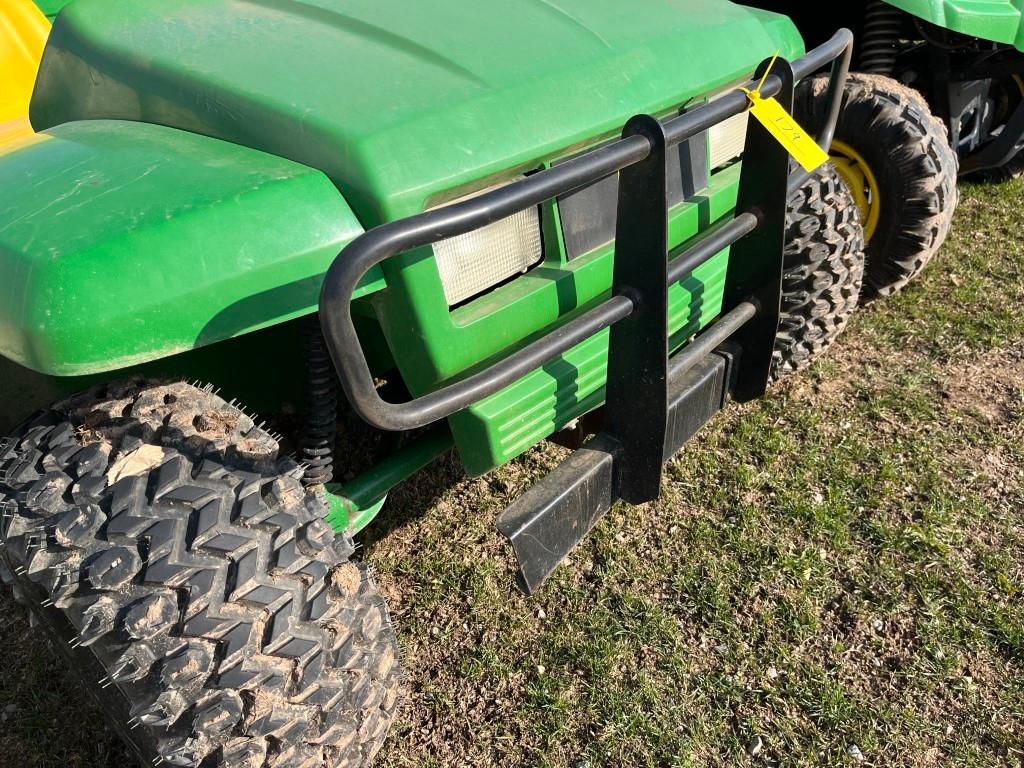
861 180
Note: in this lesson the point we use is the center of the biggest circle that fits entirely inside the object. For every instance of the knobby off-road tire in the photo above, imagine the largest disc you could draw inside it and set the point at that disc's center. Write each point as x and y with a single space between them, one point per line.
193 583
907 150
823 269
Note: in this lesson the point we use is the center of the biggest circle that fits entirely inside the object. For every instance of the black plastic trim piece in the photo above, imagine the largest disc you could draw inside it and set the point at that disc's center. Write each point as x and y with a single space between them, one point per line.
553 516
588 216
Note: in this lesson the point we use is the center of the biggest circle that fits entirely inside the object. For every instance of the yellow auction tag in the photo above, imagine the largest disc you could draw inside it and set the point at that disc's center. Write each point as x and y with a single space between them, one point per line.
780 124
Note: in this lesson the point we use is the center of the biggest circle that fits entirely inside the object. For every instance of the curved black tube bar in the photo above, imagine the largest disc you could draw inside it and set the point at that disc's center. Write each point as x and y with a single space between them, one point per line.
391 239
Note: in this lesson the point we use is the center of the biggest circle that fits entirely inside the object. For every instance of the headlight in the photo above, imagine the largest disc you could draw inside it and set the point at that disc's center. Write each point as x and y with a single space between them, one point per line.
470 264
726 140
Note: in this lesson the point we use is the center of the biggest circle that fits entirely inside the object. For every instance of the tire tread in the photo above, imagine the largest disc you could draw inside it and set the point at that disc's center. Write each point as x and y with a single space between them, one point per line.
892 125
823 270
235 627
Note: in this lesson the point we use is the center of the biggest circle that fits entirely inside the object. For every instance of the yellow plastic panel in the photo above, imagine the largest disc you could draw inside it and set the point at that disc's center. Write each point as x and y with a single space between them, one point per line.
23 32
17 133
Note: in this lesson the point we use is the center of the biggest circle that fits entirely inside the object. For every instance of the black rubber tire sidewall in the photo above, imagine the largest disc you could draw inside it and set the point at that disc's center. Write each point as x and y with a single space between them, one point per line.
907 149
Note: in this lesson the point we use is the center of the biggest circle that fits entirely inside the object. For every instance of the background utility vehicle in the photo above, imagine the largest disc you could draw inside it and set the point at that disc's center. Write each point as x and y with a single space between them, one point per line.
484 220
962 62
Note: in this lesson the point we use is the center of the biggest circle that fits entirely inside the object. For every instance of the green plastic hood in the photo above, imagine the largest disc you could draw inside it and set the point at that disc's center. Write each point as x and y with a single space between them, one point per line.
122 243
1001 21
397 101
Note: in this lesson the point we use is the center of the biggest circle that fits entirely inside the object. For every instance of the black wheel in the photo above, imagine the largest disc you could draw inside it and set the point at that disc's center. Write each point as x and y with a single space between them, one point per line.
193 583
895 157
822 272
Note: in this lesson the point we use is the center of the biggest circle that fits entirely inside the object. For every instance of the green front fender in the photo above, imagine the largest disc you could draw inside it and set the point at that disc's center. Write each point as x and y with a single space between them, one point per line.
123 242
1001 21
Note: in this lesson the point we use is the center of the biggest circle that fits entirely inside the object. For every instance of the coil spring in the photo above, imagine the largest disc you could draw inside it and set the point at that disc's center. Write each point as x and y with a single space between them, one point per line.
321 424
882 26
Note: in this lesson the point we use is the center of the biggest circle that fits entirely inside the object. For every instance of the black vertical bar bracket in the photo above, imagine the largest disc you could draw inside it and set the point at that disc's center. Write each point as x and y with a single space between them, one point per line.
941 82
637 388
756 262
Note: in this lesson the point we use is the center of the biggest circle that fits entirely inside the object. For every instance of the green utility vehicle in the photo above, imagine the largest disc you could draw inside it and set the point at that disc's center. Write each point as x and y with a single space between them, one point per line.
491 223
938 90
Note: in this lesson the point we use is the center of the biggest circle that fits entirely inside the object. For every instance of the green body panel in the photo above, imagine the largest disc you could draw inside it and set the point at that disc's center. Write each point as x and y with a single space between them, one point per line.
354 504
399 103
126 242
239 368
51 8
1001 21
511 421
404 106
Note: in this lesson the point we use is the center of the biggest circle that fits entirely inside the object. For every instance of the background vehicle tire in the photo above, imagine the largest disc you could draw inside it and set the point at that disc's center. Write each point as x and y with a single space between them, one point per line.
823 270
192 582
895 156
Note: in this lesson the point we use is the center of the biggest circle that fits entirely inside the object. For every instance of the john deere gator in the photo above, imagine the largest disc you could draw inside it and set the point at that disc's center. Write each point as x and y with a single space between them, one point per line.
464 226
937 92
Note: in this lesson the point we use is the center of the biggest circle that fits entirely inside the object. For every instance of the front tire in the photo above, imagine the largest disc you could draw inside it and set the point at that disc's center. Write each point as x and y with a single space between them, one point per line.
895 156
190 579
823 268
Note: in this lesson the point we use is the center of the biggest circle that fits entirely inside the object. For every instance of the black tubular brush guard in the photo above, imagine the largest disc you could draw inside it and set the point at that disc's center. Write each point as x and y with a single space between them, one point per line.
653 402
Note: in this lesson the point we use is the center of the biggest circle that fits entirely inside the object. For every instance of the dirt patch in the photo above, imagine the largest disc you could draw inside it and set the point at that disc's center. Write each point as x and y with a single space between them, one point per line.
998 475
346 578
215 423
137 462
990 387
850 365
122 415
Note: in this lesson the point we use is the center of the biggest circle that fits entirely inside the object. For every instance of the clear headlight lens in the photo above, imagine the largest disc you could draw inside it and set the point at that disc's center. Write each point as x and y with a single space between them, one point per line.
470 264
726 140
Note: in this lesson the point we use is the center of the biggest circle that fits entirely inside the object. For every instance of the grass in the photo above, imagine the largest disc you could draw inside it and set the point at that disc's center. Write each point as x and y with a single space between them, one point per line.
832 576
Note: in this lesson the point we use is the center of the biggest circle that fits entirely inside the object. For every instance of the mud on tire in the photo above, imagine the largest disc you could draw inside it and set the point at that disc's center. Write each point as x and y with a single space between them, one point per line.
822 271
193 583
907 149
